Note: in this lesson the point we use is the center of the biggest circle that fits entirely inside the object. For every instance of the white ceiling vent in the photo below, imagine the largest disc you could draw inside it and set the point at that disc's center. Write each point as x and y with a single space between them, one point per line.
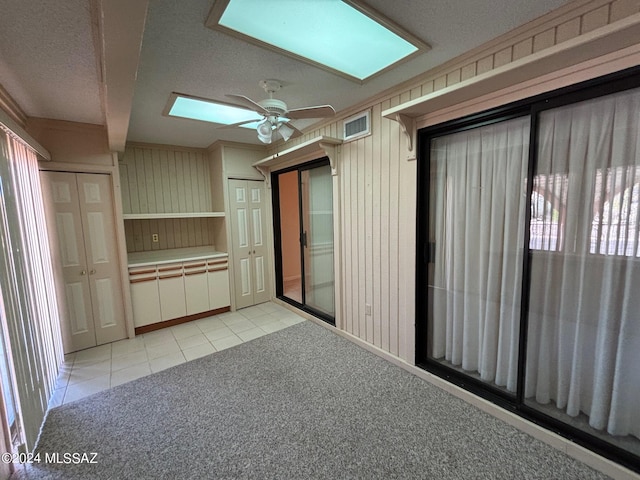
357 126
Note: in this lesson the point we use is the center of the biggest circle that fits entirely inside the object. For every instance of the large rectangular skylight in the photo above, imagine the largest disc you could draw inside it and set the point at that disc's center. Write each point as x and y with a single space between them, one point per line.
208 110
342 36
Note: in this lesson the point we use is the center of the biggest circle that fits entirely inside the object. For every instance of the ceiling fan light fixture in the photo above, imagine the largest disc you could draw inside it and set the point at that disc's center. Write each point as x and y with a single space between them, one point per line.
285 131
265 131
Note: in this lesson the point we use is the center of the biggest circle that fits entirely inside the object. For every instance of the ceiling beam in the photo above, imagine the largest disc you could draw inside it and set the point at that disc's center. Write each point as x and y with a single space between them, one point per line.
121 27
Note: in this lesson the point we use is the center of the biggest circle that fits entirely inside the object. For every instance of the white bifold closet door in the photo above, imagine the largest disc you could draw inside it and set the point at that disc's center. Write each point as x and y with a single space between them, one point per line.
249 237
82 227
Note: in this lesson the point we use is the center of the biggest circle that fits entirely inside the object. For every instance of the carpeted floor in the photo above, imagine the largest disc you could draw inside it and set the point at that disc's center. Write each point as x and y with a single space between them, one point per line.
302 403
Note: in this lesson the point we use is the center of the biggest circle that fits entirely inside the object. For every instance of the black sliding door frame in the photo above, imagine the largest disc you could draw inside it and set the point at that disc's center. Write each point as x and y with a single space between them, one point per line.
514 402
277 228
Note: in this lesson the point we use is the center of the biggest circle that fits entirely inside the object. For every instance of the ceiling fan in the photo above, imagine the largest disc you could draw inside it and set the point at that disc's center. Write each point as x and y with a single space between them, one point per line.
276 113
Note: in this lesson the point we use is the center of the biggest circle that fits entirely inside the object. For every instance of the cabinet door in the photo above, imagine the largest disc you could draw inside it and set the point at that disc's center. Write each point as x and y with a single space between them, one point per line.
145 297
218 281
171 288
195 287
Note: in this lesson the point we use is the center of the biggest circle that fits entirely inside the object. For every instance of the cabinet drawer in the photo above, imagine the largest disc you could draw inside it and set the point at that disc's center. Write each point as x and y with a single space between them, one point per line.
170 270
142 274
215 264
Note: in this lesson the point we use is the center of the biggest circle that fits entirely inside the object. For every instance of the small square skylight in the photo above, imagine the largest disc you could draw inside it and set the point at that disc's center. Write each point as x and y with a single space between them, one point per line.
343 36
209 111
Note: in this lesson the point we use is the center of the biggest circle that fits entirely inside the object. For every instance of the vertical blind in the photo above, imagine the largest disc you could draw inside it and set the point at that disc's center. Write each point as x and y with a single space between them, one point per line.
28 291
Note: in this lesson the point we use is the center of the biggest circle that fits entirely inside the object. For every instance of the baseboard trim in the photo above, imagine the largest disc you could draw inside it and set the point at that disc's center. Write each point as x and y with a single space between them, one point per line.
177 321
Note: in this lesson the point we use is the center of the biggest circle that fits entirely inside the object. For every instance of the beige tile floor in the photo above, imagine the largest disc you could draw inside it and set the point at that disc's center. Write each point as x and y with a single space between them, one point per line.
90 371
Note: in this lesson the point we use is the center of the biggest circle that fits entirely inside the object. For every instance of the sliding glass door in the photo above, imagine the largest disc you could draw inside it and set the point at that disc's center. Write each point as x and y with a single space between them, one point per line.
477 213
529 227
583 342
303 197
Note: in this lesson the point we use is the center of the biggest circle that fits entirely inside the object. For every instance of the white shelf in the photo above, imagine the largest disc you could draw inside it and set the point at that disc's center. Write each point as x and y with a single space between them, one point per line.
322 145
157 216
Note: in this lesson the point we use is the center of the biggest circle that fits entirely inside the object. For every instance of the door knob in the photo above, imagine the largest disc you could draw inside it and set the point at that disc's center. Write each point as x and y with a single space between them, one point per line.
92 271
83 272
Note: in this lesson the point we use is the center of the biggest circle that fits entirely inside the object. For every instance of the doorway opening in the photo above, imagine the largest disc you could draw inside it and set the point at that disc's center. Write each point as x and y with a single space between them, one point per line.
303 225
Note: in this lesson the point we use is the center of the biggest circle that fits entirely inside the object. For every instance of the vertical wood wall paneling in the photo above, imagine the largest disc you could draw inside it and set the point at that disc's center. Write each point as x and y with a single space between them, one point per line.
137 231
158 189
150 180
385 253
169 233
163 165
368 234
362 243
351 320
124 188
182 197
165 180
154 228
407 248
376 225
142 181
173 233
173 183
394 230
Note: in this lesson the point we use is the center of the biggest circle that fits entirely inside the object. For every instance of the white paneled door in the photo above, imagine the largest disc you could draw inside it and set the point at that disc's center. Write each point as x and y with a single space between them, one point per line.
248 232
82 224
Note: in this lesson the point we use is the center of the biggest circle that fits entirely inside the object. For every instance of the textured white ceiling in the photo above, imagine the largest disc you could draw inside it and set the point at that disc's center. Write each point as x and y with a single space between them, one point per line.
48 62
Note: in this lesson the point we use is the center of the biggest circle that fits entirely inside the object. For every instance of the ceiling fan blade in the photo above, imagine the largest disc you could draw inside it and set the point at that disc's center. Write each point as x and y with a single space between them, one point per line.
233 125
318 111
248 103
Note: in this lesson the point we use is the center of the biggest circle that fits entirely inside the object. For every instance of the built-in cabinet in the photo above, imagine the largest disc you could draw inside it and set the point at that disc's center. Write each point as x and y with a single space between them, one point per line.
81 223
175 229
170 290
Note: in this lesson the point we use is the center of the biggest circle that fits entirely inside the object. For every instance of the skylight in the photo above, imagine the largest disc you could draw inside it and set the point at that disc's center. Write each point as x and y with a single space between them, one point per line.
342 36
209 111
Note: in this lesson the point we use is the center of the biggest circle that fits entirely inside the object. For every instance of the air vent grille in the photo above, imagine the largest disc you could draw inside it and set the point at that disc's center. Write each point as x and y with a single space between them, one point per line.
357 126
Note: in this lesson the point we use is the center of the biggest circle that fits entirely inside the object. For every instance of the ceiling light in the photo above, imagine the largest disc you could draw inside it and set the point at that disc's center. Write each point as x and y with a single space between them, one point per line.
207 110
344 36
265 131
285 131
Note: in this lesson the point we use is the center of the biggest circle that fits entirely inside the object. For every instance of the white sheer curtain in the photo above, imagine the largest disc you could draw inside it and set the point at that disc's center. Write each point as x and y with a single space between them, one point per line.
583 349
478 201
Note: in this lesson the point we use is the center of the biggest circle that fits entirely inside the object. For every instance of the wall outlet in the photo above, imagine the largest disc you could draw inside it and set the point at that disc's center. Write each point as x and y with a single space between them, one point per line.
367 309
154 238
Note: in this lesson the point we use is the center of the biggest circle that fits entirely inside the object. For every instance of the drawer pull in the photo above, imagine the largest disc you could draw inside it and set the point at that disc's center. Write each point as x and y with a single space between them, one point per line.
219 269
195 273
170 269
140 280
214 262
175 275
195 265
141 272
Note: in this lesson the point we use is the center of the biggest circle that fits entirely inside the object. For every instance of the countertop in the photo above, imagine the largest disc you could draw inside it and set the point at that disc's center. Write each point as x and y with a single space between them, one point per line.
157 257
